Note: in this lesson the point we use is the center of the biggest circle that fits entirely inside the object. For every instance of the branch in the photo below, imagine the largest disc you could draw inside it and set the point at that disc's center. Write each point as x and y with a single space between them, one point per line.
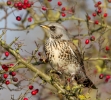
91 59
24 63
83 20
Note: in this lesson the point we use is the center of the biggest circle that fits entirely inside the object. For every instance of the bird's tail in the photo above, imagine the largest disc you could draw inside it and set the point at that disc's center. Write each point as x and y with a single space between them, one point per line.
86 82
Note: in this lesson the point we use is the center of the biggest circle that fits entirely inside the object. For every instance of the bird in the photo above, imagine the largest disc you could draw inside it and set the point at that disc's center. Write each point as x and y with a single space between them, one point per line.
63 55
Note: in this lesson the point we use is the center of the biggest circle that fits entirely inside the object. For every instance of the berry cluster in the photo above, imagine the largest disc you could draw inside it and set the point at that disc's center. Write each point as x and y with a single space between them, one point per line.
62 11
15 79
92 38
6 68
98 12
6 74
107 77
33 92
13 74
21 5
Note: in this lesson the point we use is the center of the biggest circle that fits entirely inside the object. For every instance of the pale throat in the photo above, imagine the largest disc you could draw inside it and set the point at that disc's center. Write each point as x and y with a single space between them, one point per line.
50 39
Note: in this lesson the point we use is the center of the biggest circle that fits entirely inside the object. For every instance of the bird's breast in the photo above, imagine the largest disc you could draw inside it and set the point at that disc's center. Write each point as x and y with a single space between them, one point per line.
53 50
61 57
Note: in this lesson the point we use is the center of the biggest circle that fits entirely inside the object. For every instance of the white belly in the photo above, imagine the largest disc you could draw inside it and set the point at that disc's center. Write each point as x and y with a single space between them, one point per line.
61 64
56 54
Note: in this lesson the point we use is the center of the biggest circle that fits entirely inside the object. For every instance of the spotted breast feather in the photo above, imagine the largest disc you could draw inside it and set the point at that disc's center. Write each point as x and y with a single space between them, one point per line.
64 56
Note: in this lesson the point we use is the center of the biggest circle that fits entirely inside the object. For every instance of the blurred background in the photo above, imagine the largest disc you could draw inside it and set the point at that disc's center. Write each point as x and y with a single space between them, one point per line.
28 34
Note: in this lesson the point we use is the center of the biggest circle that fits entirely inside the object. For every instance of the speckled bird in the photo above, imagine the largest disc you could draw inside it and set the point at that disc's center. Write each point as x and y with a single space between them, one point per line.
63 55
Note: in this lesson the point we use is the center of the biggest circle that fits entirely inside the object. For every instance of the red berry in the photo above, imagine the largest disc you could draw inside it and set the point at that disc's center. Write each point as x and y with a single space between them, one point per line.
8 2
94 14
99 11
28 5
19 8
107 76
7 82
18 18
88 17
26 1
63 14
92 38
13 73
107 48
6 53
106 80
101 76
59 3
96 22
19 4
39 53
96 5
87 41
63 8
15 5
109 1
30 19
5 75
69 79
44 8
4 67
24 6
11 65
49 0
105 14
34 92
15 79
37 90
99 2
104 56
31 87
25 99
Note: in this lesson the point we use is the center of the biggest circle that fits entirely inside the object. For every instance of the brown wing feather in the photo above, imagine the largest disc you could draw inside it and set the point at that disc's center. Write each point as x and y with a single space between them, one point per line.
86 82
77 53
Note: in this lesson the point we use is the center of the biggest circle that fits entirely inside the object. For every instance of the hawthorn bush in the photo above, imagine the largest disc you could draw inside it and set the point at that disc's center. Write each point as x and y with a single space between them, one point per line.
25 73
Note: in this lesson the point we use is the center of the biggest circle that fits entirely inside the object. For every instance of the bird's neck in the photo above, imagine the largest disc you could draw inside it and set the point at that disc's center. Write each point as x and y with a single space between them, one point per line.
50 39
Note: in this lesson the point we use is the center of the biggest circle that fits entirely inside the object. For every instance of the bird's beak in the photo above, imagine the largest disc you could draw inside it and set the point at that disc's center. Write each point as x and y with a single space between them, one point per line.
46 30
45 27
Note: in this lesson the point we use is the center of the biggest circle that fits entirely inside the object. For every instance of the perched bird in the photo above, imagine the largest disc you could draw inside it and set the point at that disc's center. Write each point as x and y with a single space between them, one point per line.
63 55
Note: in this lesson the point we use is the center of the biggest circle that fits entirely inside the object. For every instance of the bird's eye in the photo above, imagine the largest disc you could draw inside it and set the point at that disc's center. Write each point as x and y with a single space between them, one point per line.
52 28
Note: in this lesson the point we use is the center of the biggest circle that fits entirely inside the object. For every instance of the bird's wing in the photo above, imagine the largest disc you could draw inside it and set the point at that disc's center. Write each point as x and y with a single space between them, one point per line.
77 53
86 81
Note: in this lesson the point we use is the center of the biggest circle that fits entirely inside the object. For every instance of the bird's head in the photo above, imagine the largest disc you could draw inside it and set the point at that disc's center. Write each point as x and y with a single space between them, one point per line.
55 31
